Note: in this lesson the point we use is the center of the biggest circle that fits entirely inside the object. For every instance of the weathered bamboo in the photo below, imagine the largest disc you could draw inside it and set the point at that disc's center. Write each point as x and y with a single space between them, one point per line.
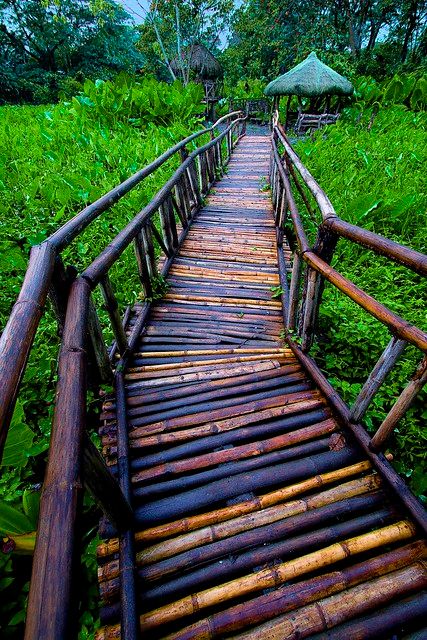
104 487
237 453
143 267
166 229
283 549
242 524
376 378
294 291
128 605
239 467
403 614
290 597
396 324
49 610
190 500
113 311
98 353
336 609
180 527
400 407
394 481
281 573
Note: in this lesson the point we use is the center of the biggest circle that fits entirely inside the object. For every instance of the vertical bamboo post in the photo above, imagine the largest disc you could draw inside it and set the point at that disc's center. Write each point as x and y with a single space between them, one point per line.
204 174
113 311
143 269
314 283
294 291
310 307
168 207
376 378
62 279
147 242
128 601
166 227
49 613
104 488
400 407
98 353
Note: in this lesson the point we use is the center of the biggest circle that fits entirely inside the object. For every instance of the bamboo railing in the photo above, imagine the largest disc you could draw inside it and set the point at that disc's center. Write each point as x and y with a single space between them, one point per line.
73 458
302 298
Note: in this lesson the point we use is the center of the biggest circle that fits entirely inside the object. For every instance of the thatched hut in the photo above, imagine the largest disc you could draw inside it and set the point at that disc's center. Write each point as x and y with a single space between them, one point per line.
310 78
197 63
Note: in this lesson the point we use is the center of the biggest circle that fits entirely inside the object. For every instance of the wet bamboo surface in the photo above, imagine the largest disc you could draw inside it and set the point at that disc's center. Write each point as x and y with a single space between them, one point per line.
257 517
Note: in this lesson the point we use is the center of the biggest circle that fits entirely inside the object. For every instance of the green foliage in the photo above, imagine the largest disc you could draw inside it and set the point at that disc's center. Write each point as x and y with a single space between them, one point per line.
19 440
371 166
49 47
409 89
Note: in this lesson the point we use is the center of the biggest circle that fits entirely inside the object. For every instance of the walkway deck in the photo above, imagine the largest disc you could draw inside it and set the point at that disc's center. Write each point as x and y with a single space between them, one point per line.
256 515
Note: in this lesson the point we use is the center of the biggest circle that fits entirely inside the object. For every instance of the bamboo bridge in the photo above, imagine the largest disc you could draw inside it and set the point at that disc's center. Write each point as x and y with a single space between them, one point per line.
241 497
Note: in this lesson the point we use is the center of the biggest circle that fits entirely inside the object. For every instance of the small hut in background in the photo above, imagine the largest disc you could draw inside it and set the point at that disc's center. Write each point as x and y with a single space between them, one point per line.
310 78
198 64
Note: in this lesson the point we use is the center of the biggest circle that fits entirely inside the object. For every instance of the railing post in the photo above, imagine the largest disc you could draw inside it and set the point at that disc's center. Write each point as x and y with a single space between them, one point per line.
313 288
294 290
400 407
376 378
98 353
104 488
62 279
49 613
113 311
141 258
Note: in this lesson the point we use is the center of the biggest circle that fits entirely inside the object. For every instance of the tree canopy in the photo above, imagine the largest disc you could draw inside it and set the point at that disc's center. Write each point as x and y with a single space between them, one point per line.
44 43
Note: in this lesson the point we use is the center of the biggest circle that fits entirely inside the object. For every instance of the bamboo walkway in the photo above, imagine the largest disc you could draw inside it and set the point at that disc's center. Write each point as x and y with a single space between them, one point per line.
257 517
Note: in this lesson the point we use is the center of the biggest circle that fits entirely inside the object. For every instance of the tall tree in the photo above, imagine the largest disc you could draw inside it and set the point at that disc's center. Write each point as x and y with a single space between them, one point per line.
61 37
171 28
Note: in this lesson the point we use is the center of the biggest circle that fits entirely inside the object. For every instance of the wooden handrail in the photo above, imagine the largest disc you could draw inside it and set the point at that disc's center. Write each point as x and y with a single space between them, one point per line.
317 259
19 333
383 246
48 613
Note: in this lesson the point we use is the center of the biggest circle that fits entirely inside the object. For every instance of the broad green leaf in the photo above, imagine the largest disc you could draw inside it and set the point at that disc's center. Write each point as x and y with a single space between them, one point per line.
19 440
31 505
13 521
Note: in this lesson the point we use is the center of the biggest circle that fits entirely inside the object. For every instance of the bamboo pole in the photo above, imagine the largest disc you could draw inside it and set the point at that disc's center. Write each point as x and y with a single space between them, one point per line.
291 597
235 526
336 609
400 407
266 578
376 378
179 527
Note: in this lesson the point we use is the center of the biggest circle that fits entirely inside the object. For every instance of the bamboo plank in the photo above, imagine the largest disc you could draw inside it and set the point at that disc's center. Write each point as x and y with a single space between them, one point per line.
266 578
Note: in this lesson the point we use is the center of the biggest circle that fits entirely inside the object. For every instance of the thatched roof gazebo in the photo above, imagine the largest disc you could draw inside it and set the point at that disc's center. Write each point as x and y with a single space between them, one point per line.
310 78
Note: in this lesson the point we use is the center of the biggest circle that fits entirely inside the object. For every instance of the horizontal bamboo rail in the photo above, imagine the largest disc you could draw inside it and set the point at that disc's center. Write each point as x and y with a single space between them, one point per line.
49 611
304 303
18 335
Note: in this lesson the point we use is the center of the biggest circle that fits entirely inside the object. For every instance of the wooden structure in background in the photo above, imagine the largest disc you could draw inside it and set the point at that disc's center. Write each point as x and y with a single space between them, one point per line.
241 496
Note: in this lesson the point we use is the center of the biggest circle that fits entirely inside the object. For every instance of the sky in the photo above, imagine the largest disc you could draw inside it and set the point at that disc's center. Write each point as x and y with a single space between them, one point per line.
133 7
